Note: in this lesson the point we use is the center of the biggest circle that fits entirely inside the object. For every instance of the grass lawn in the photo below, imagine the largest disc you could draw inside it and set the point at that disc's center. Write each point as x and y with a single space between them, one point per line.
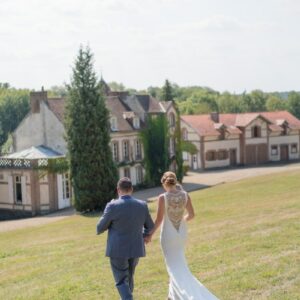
243 244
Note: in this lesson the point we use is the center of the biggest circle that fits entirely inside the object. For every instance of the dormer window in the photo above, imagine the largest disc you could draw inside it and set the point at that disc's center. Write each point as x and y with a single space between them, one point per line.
136 122
113 123
284 129
256 132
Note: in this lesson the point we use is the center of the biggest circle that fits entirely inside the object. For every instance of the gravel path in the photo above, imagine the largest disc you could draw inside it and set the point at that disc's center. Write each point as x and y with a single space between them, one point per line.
36 221
194 181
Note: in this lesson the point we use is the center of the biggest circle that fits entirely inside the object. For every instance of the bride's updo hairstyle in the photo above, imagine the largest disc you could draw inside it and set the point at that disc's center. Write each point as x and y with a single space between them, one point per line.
169 179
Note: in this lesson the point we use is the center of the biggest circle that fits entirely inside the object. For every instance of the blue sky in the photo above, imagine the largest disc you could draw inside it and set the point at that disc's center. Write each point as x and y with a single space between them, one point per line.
232 45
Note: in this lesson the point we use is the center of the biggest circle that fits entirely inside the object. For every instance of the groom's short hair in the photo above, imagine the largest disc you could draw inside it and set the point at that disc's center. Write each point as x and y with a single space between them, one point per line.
124 184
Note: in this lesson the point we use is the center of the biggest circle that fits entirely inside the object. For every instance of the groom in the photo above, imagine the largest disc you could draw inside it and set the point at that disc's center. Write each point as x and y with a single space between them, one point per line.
128 221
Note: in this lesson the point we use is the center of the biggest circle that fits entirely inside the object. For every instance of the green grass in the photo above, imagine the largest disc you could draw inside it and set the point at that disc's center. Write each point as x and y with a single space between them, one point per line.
243 244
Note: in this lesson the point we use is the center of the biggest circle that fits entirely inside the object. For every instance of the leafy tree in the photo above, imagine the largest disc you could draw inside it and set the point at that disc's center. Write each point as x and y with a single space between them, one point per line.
14 105
253 102
274 103
116 87
4 85
293 104
155 142
228 103
92 169
58 91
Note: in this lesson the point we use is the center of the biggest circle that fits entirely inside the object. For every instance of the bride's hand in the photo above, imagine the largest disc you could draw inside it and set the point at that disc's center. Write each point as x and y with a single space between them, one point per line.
147 239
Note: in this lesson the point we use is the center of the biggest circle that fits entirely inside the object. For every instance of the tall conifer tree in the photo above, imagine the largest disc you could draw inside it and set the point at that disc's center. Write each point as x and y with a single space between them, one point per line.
167 92
93 171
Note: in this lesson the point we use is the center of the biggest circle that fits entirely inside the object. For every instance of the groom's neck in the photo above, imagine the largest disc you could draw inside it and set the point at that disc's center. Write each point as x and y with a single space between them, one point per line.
124 193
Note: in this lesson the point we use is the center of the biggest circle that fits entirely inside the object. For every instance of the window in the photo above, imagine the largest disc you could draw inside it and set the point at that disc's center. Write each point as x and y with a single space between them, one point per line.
256 131
222 154
18 189
127 172
115 151
66 186
171 119
285 129
138 150
139 174
184 134
172 146
1 177
294 148
113 124
185 155
274 150
211 155
136 122
222 134
126 150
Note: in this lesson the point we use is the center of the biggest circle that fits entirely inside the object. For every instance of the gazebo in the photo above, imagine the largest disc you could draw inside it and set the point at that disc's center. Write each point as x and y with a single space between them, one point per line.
29 185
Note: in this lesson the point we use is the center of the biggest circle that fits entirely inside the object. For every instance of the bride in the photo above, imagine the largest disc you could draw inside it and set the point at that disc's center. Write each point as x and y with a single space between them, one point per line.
171 208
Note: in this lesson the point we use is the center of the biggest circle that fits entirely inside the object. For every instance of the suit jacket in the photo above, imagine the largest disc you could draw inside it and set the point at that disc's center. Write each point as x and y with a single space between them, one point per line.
127 220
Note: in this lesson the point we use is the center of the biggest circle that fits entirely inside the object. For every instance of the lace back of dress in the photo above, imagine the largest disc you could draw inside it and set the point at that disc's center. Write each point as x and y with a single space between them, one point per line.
175 204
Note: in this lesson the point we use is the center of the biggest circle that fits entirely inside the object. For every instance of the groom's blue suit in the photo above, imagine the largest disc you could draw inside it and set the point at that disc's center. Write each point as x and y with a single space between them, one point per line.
127 220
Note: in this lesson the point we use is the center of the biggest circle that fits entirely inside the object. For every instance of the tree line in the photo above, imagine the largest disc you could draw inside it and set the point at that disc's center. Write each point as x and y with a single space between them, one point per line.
14 103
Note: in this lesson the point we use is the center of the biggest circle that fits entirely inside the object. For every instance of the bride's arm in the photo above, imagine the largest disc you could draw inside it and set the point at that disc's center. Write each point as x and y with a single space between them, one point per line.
159 214
190 210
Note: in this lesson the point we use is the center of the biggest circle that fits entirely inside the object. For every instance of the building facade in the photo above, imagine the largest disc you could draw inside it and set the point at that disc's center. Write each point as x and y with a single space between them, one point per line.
241 139
40 138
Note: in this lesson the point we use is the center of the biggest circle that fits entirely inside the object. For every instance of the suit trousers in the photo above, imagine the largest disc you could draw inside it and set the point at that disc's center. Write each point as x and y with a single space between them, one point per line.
123 271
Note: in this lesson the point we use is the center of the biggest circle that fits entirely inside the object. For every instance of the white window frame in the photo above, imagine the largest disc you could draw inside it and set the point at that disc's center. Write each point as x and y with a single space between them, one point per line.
125 149
127 172
113 123
274 151
139 174
136 122
294 146
65 186
138 149
115 151
18 182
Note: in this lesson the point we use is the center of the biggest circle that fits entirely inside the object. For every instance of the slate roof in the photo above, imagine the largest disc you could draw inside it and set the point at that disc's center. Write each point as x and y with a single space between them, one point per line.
117 108
57 106
37 152
121 105
205 126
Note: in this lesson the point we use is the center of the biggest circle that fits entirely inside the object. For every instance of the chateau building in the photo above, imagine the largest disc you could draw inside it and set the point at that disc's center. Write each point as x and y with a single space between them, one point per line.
40 138
241 139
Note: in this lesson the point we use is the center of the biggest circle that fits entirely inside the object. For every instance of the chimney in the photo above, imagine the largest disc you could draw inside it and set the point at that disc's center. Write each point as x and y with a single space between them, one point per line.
35 100
214 116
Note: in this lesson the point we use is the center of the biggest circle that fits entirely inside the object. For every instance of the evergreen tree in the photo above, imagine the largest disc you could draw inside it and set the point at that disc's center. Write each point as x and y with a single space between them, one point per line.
167 93
93 172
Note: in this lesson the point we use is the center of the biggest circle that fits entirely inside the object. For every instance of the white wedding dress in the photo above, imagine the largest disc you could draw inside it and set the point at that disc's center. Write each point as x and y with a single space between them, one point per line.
183 285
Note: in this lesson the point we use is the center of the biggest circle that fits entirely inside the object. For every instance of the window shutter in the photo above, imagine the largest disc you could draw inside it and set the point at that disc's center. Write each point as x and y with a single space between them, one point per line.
10 189
24 190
